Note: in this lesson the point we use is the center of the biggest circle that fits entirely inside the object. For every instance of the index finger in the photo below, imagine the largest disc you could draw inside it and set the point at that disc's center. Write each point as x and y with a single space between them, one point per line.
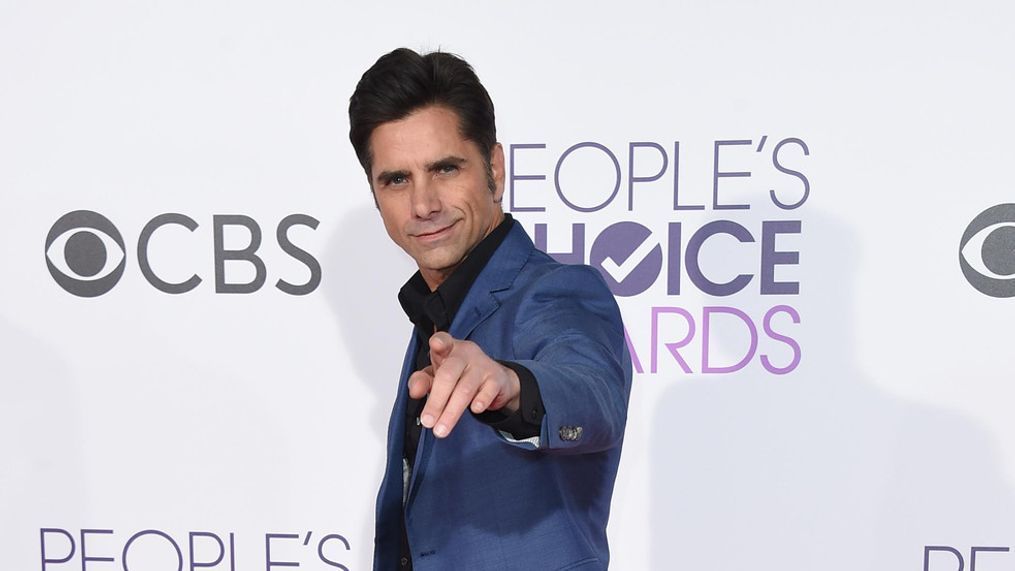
444 380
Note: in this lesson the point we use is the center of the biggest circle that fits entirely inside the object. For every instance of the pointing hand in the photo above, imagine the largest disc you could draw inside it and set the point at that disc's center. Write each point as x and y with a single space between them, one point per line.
461 375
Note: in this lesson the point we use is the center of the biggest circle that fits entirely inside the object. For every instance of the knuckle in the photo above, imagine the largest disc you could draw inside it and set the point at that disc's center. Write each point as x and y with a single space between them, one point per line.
444 385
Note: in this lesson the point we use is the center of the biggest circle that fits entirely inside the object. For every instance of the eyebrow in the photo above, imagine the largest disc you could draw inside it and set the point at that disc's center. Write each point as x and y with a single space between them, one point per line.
449 160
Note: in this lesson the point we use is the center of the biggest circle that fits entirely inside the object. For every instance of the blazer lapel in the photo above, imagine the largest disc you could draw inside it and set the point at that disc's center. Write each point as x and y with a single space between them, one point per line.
481 301
498 275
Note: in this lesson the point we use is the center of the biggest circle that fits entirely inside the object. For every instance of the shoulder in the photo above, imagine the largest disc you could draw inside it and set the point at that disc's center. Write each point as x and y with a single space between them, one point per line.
524 270
542 271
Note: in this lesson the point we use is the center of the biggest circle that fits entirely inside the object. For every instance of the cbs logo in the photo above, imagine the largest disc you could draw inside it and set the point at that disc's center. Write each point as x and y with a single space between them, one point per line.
86 254
987 251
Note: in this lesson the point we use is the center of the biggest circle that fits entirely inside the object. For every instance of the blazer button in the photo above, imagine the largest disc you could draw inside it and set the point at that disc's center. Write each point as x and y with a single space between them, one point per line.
570 433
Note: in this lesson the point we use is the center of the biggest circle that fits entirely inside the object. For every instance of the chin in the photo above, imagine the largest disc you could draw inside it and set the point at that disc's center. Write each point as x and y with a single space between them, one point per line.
439 263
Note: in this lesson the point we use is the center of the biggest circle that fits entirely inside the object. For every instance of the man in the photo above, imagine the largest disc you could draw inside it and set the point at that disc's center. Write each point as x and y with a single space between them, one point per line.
506 432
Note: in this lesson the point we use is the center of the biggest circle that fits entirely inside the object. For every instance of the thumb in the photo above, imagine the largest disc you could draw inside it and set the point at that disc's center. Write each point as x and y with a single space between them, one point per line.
420 383
441 345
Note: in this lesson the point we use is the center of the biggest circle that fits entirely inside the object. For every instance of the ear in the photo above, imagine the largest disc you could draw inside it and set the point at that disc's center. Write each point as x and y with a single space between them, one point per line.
497 170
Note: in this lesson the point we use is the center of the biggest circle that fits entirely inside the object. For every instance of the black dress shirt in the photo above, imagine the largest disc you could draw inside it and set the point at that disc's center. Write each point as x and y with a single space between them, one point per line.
432 311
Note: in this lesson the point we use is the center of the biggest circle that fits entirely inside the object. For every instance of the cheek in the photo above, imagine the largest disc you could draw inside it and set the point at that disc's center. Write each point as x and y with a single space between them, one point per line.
392 233
482 208
475 199
392 223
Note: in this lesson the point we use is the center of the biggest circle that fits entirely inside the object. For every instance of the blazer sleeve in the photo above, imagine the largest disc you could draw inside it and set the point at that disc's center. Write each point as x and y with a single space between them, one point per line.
568 332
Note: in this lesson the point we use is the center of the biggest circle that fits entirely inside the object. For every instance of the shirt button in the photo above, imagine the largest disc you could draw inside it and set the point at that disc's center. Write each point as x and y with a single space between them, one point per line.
405 561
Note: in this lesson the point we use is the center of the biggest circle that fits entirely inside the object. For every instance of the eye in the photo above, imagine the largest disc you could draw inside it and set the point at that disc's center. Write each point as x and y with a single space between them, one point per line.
394 179
990 251
85 253
447 169
987 251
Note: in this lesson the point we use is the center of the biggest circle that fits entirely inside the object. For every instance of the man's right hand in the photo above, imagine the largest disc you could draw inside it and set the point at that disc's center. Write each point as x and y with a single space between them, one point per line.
461 376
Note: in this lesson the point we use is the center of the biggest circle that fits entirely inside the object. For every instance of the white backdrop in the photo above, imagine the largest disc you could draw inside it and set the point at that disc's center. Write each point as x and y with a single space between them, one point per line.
869 427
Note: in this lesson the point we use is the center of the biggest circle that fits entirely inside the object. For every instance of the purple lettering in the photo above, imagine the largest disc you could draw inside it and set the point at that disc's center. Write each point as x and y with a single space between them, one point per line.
194 563
157 533
706 319
771 258
632 179
929 548
676 183
84 557
42 544
717 174
791 172
560 191
694 248
512 177
973 551
767 325
577 253
268 562
671 347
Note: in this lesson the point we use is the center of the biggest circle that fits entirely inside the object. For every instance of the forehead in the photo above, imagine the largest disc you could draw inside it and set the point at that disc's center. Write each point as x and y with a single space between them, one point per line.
425 135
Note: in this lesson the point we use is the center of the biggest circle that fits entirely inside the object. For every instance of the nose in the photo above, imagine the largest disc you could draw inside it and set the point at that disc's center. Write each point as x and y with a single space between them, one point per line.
425 199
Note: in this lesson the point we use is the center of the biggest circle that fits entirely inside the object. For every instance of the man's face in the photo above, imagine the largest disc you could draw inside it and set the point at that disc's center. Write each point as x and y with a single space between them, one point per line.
432 189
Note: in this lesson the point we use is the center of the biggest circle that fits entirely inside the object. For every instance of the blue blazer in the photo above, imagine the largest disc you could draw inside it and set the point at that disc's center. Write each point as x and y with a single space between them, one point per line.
477 500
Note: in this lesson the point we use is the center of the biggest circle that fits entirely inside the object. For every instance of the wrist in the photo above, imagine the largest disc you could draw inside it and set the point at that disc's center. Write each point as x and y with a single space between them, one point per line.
514 391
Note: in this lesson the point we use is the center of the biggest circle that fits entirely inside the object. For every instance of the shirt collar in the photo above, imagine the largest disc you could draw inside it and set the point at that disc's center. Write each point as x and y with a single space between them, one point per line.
436 310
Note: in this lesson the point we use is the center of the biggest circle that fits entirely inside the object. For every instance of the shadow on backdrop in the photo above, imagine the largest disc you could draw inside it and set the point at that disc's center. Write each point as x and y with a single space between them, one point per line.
363 293
42 475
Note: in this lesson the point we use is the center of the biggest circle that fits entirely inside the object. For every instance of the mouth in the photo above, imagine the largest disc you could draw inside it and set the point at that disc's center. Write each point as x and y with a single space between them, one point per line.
436 234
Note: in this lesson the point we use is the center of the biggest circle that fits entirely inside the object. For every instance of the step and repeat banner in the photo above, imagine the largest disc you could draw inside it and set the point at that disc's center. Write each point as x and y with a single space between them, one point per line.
805 211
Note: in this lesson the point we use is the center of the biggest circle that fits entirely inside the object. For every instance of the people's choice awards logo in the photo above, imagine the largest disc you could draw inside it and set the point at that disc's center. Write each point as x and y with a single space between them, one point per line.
85 253
627 258
668 253
987 251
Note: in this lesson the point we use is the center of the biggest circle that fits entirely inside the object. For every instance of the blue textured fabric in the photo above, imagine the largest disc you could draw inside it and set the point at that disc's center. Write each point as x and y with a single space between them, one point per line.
478 501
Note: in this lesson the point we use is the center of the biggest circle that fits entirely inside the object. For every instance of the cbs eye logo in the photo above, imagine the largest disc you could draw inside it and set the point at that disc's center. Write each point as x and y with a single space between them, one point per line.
987 251
86 256
85 253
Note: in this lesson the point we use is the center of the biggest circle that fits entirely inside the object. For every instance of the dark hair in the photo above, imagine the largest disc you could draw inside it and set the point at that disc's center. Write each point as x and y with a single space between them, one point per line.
403 81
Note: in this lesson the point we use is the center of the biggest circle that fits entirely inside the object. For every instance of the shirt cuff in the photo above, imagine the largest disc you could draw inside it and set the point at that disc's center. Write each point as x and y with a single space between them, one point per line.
525 422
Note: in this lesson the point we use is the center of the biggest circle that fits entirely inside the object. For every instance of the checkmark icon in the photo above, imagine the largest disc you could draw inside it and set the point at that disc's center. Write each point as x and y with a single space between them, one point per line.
620 272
